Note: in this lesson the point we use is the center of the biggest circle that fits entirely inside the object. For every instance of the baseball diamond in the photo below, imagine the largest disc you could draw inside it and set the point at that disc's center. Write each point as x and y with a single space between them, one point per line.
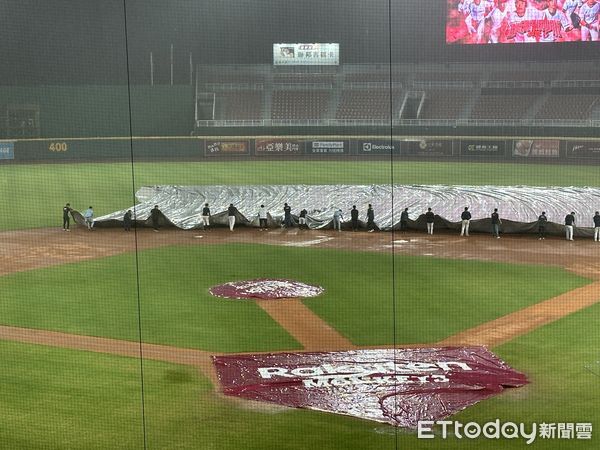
300 225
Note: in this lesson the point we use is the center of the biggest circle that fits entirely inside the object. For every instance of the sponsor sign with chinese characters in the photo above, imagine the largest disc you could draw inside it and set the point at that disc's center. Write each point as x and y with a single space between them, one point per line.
537 148
583 149
7 150
226 148
306 54
428 147
483 148
277 147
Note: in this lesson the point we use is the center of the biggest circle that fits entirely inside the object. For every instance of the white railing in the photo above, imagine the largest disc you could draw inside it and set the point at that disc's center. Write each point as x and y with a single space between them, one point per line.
513 84
401 122
301 86
575 83
456 84
233 86
379 85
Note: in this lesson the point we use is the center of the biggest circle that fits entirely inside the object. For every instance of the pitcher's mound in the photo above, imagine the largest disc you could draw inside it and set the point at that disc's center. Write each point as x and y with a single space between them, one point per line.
265 289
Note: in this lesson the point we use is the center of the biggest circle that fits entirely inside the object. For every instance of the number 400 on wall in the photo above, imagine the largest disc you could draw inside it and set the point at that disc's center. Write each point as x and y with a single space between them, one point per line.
58 147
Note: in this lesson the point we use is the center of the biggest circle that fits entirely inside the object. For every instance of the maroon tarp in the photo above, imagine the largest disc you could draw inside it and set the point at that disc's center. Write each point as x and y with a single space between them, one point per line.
399 386
265 288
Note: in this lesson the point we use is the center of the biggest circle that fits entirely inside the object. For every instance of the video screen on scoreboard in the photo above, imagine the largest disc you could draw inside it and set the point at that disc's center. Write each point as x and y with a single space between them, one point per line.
521 21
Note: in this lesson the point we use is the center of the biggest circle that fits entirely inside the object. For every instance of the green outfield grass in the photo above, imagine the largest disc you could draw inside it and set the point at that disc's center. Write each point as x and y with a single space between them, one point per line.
434 298
99 298
57 399
64 399
54 398
557 358
33 195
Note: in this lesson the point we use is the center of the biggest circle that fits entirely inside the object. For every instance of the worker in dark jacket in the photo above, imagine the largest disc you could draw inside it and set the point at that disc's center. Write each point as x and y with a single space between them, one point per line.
354 218
155 216
429 218
302 219
542 221
404 220
66 217
496 222
287 215
231 212
465 218
127 221
370 219
569 223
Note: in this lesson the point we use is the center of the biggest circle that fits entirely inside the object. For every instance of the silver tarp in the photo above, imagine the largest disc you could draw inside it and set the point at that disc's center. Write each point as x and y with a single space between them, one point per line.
518 206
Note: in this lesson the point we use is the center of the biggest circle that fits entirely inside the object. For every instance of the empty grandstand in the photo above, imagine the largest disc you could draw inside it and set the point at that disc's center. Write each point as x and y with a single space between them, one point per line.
427 94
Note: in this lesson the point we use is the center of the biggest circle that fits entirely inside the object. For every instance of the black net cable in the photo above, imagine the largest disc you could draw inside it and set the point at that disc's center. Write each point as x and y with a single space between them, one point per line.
392 237
137 267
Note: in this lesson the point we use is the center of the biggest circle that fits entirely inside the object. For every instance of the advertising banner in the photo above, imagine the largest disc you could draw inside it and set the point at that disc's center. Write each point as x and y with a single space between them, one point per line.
536 148
378 147
492 149
264 147
227 148
428 148
306 54
583 149
7 150
328 147
396 386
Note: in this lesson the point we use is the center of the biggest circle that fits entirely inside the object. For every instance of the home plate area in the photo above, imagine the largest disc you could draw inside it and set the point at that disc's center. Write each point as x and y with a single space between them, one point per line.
396 386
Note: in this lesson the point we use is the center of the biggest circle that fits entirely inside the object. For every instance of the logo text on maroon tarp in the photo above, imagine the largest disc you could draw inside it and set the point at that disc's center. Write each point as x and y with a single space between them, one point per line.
397 386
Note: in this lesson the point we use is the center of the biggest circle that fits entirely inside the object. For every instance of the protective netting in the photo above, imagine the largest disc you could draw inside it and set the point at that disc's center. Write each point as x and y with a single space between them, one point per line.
518 206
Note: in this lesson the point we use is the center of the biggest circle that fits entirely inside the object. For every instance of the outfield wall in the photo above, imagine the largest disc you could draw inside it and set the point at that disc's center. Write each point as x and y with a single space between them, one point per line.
579 151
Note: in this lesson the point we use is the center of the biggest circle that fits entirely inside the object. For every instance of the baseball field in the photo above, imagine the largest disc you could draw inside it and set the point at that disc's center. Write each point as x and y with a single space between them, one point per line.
107 336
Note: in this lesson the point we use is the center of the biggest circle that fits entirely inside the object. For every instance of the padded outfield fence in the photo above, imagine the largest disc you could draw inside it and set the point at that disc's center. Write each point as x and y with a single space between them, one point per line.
445 148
